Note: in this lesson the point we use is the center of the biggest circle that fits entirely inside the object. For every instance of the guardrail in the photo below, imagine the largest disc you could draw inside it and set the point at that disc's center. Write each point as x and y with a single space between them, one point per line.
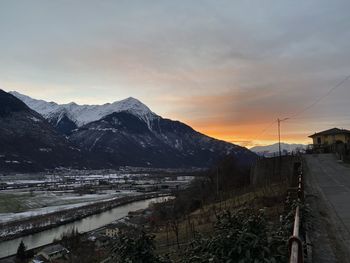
295 242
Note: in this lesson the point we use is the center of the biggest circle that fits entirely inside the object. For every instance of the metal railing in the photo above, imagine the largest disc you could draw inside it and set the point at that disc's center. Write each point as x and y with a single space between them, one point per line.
295 242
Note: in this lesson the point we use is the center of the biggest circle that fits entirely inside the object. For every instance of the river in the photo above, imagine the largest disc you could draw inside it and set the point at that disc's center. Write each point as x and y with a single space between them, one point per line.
89 223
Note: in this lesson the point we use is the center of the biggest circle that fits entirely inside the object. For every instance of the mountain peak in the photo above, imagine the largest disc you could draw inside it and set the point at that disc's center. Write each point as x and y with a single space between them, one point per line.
129 100
131 103
132 99
83 114
271 150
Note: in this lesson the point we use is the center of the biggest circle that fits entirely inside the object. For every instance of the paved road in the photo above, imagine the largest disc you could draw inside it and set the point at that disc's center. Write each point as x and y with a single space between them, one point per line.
328 189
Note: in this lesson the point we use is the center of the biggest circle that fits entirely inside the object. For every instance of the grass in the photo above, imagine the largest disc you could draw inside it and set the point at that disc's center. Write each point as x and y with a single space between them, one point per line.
20 201
13 203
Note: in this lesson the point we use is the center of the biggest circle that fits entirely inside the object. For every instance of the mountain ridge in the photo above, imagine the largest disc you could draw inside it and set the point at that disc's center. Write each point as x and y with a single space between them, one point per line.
83 114
128 133
273 149
29 143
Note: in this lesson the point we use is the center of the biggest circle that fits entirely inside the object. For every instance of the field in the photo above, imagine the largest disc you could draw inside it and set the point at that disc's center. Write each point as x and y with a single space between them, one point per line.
11 203
19 204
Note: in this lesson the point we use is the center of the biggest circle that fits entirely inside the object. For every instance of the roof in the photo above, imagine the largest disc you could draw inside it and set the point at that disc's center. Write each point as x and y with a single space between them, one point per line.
333 131
53 249
116 225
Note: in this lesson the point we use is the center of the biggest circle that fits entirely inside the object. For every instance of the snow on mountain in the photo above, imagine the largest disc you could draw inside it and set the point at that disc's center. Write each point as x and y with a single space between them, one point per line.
270 150
128 133
123 139
29 143
83 114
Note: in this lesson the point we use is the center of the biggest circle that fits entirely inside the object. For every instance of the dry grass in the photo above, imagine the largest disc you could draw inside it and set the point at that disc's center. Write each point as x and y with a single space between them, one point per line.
202 221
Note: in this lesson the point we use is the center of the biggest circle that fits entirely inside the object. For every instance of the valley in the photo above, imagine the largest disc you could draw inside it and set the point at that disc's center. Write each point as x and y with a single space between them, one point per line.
174 131
34 194
62 164
33 203
122 133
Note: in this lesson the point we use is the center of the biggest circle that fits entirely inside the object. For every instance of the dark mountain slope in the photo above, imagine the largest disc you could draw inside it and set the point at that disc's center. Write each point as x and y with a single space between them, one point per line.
127 132
10 104
29 143
124 139
63 124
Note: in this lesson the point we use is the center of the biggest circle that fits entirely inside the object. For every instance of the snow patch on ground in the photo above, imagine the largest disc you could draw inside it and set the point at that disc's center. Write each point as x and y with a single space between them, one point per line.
79 201
34 119
45 150
12 161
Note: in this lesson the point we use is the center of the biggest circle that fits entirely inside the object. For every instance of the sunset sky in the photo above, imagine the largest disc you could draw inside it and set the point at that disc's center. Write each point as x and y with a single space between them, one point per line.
227 68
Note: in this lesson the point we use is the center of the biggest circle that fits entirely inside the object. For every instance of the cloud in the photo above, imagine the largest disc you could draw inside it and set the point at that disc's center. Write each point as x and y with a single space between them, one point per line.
228 68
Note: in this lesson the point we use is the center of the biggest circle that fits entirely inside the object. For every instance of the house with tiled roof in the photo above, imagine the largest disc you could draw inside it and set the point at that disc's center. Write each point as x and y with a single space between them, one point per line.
53 252
328 140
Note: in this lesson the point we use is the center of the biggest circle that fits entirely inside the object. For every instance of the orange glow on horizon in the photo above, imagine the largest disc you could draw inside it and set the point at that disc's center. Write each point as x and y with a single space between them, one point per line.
249 136
245 141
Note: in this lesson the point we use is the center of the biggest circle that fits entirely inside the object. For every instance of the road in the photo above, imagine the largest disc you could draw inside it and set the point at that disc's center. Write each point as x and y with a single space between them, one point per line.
328 194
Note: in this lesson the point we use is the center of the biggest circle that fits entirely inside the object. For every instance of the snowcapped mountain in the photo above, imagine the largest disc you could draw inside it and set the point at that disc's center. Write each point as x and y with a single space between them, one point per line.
29 143
66 117
127 132
272 150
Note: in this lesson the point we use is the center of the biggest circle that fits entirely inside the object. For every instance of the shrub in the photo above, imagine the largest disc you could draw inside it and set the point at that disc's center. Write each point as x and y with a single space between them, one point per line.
244 236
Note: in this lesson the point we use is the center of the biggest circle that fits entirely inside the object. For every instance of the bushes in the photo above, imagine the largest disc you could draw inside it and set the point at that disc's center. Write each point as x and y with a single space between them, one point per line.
244 236
135 249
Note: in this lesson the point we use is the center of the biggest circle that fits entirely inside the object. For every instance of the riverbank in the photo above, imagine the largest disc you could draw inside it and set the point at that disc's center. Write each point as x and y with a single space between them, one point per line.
90 226
35 224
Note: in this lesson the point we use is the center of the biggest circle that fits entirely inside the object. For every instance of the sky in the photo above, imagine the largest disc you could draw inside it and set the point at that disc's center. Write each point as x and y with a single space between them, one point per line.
226 68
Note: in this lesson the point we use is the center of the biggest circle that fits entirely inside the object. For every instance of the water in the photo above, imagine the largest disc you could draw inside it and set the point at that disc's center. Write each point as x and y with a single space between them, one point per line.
93 222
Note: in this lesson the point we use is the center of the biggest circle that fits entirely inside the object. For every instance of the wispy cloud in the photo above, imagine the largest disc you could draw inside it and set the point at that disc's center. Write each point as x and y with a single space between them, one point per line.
225 67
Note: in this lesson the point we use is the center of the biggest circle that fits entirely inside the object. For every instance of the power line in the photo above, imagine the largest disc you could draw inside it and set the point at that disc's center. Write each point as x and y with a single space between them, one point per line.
264 130
306 108
320 98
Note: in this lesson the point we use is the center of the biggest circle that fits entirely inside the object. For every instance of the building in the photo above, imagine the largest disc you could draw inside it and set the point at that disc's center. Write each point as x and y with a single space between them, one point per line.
53 252
144 188
113 230
327 141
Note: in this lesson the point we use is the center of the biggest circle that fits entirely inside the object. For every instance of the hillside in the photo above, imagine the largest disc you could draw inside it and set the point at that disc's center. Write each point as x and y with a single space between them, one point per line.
29 143
127 132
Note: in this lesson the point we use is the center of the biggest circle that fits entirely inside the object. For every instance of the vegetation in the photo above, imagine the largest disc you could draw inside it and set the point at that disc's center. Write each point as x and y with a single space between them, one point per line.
77 247
21 255
13 203
221 218
136 249
214 185
71 240
246 235
243 236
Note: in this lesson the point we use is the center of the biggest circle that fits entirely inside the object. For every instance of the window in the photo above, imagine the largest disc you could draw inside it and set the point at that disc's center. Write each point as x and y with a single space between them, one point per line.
318 140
